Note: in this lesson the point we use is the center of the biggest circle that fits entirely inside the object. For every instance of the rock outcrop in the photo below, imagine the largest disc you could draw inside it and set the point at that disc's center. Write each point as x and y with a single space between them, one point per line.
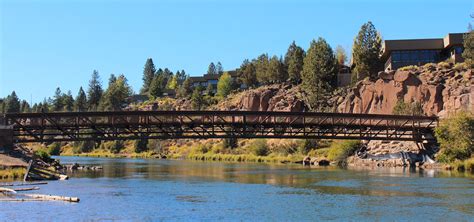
277 97
440 90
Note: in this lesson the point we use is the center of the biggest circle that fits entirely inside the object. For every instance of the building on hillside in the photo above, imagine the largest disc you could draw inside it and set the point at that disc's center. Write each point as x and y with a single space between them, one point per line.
344 76
400 53
212 79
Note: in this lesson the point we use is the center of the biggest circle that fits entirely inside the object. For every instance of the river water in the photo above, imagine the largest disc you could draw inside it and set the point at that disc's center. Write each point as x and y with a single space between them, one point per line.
178 190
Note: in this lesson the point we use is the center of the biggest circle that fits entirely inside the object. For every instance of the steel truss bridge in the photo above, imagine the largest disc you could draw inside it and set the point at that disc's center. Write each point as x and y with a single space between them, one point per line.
129 125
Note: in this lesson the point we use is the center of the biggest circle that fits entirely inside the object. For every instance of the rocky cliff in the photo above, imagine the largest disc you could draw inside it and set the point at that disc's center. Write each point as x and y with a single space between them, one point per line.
440 90
277 97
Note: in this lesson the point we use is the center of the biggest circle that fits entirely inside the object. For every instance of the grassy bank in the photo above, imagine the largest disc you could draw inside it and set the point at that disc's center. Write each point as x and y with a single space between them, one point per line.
12 173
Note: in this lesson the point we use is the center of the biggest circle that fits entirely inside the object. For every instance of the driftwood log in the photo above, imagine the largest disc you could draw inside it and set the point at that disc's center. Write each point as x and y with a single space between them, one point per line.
52 197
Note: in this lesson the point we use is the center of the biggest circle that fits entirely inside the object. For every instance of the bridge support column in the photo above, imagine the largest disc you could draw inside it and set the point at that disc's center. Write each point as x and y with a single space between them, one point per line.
6 138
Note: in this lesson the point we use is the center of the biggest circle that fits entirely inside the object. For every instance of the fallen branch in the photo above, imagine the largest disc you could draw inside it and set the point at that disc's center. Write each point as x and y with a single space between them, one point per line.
22 184
26 189
51 197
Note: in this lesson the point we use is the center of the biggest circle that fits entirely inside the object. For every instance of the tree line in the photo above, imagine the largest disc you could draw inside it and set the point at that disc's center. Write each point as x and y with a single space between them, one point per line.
314 69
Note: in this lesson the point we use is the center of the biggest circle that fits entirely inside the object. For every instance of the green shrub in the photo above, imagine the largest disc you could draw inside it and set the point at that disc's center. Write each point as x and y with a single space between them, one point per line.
444 65
429 65
230 142
402 108
259 147
140 145
154 145
341 149
200 148
54 149
114 146
307 145
43 155
83 146
456 137
460 66
408 68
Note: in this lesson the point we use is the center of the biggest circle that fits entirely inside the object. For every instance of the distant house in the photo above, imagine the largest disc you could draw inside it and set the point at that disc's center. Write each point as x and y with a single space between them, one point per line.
400 53
212 79
344 76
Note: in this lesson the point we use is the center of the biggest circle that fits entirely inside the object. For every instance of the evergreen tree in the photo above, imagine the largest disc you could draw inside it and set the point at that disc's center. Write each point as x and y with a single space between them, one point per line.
112 79
261 69
68 101
341 56
116 94
224 85
25 107
2 106
181 76
12 103
185 89
34 108
247 73
95 91
156 87
366 52
319 72
80 104
211 70
276 70
148 75
45 106
468 53
58 103
294 62
197 100
219 68
210 90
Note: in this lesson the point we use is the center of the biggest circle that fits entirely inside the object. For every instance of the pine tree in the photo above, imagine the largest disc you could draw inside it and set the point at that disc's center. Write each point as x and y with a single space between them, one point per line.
68 101
95 91
319 72
156 87
247 73
197 100
185 89
294 62
219 68
25 107
80 104
112 79
116 94
276 70
58 103
224 85
12 103
261 69
468 53
45 106
366 52
181 76
211 70
148 75
210 90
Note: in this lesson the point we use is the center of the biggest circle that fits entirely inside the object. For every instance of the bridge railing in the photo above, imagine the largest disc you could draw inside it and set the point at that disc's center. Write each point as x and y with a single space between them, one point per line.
214 124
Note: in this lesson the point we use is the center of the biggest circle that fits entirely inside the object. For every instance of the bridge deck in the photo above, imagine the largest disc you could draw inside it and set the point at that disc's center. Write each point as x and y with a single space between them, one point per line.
76 126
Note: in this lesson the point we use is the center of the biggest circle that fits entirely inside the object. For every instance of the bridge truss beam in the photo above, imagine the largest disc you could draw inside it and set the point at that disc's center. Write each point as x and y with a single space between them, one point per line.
127 125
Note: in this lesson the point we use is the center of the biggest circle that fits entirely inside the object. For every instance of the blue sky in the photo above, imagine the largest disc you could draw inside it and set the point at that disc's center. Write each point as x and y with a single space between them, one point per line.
50 43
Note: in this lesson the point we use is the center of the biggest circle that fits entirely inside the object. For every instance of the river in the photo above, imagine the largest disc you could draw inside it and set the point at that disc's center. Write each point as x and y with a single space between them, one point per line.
152 189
